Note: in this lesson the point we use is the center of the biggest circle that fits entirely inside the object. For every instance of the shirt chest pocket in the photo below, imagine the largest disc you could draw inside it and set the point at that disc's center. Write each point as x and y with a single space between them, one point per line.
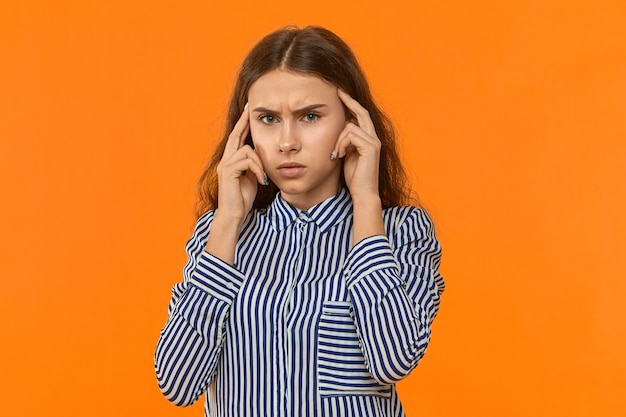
341 368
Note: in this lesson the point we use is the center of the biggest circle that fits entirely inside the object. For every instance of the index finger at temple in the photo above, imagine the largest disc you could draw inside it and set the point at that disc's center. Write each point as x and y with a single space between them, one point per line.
362 115
237 137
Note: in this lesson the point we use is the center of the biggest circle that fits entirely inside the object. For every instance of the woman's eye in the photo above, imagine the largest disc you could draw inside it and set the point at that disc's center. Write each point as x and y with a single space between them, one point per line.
311 117
268 119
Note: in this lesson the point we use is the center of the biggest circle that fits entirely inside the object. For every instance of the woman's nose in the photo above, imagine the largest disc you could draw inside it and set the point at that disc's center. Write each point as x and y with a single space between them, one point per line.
288 141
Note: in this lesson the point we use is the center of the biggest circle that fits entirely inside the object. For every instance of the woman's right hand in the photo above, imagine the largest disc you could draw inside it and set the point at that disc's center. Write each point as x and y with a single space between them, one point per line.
239 173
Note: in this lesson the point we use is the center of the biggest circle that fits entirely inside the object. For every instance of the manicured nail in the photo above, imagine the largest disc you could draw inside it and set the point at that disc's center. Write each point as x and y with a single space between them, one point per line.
246 106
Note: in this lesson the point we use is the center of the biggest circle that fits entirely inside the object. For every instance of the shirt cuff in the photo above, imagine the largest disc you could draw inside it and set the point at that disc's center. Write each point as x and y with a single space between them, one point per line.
371 255
216 277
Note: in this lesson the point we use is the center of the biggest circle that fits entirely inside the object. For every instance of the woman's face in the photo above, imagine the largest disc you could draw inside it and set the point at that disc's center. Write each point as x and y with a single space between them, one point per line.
295 121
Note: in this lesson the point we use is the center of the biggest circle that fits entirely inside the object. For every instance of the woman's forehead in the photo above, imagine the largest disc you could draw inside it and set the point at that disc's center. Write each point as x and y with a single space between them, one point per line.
288 87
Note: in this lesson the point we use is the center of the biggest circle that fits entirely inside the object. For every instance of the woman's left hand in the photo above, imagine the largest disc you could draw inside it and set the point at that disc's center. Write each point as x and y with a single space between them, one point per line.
359 145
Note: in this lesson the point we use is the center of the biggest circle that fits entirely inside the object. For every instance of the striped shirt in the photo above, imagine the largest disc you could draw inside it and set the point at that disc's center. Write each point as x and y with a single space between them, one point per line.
304 323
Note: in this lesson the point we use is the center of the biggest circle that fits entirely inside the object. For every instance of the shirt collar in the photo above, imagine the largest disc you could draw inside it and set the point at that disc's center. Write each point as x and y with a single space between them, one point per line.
325 214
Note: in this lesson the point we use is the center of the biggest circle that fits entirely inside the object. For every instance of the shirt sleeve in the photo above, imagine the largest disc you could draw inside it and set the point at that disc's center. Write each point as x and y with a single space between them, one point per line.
395 288
189 346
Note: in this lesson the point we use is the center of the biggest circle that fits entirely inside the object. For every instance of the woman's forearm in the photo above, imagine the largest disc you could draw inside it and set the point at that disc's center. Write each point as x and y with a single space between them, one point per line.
222 239
368 218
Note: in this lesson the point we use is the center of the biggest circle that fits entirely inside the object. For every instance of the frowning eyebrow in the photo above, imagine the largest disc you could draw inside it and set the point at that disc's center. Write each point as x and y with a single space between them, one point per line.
305 109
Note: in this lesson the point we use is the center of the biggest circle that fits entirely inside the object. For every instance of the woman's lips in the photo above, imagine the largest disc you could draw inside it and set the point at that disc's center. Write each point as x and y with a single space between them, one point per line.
291 169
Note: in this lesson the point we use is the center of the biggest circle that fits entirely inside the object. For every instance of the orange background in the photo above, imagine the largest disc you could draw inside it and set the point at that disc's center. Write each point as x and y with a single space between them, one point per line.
512 116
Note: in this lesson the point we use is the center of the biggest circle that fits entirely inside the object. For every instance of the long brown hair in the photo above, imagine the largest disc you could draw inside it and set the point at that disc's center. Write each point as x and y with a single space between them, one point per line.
319 52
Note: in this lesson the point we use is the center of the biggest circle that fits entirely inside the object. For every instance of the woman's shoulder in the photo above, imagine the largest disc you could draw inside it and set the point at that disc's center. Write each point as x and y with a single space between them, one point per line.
203 223
401 214
401 219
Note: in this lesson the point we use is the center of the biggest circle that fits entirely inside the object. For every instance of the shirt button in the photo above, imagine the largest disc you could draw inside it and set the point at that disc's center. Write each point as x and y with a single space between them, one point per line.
230 286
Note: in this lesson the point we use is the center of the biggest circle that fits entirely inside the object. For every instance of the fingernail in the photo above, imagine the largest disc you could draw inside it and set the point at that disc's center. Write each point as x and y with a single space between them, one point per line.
246 106
265 179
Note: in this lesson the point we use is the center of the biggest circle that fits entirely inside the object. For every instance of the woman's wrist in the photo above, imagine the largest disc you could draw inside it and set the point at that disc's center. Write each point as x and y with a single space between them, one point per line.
366 198
368 217
223 237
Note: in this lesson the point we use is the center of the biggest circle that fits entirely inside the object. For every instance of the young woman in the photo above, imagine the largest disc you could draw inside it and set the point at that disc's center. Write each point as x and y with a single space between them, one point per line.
311 285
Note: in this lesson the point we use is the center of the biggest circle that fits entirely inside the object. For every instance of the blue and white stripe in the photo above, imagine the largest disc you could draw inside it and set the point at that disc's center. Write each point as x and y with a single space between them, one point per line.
304 323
